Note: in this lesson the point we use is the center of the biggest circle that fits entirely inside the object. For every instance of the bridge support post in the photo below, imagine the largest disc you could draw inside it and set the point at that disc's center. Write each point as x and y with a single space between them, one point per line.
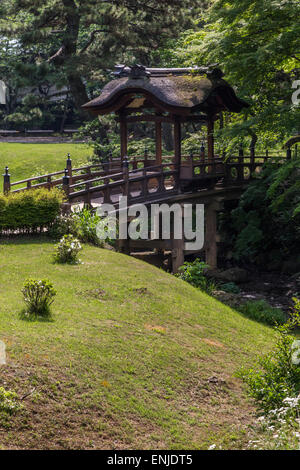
177 246
123 245
211 251
177 254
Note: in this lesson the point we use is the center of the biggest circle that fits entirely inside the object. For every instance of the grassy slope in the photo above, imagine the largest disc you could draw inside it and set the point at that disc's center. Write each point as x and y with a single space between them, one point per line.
127 360
24 160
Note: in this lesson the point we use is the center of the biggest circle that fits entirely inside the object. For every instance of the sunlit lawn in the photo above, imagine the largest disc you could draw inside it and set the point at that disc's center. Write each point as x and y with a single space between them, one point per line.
126 361
25 160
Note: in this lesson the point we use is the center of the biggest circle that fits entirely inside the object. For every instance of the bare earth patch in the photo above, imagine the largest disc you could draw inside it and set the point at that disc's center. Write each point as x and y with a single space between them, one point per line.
54 418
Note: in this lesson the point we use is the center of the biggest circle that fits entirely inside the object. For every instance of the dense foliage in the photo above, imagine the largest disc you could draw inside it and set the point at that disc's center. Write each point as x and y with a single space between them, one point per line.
257 44
261 311
86 225
278 376
194 273
265 227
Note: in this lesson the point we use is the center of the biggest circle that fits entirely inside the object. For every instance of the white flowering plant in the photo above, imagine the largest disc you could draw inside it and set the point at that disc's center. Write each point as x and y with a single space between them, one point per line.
279 429
38 295
277 377
9 401
66 251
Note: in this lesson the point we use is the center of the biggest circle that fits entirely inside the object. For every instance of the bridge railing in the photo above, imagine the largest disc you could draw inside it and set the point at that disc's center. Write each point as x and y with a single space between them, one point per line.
236 167
137 185
241 169
233 169
76 174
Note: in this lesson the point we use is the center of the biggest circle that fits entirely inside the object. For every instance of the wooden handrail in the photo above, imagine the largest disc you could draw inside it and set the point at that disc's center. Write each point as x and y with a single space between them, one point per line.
112 174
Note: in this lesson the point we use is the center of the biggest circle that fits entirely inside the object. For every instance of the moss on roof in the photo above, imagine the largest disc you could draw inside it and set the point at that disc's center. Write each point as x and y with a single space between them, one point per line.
185 91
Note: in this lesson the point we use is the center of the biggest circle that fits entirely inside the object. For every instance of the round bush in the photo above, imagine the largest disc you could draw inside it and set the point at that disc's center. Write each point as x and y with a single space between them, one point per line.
38 296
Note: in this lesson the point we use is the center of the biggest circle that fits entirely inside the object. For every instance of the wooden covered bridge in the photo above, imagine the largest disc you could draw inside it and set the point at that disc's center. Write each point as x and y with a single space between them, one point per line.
174 96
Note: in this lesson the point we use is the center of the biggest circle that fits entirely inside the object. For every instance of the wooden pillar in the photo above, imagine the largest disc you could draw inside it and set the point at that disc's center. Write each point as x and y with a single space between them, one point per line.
6 181
177 246
158 144
69 167
66 183
211 235
177 141
177 255
123 135
210 139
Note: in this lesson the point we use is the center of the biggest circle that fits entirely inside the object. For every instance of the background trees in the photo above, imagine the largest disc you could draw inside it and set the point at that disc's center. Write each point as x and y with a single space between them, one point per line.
75 42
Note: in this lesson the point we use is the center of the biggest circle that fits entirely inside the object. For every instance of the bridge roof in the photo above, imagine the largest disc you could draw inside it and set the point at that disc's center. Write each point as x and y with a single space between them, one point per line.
178 91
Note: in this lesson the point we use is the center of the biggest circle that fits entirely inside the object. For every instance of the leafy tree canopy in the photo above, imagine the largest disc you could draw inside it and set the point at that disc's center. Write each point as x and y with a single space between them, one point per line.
257 44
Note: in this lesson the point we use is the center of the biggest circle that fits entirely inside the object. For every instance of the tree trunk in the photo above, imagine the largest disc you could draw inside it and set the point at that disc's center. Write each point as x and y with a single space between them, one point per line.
67 53
78 91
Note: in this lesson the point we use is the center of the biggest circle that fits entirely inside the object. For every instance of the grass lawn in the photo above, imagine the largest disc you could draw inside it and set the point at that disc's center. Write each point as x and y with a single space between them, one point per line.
134 357
24 160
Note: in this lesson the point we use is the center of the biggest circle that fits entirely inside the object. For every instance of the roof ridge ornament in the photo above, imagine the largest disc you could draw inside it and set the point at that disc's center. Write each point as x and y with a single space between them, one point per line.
138 71
215 73
135 71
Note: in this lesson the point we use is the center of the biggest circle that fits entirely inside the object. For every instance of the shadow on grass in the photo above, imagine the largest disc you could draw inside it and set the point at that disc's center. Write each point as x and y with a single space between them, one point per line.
77 262
25 239
31 317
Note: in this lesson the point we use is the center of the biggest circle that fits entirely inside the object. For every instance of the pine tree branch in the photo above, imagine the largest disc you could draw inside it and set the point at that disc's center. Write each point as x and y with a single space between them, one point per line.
92 39
57 54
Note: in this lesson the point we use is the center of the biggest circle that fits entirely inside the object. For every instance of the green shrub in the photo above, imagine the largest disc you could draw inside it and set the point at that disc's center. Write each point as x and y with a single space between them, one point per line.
194 273
231 288
277 377
66 251
38 296
64 224
261 311
86 222
28 211
9 401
